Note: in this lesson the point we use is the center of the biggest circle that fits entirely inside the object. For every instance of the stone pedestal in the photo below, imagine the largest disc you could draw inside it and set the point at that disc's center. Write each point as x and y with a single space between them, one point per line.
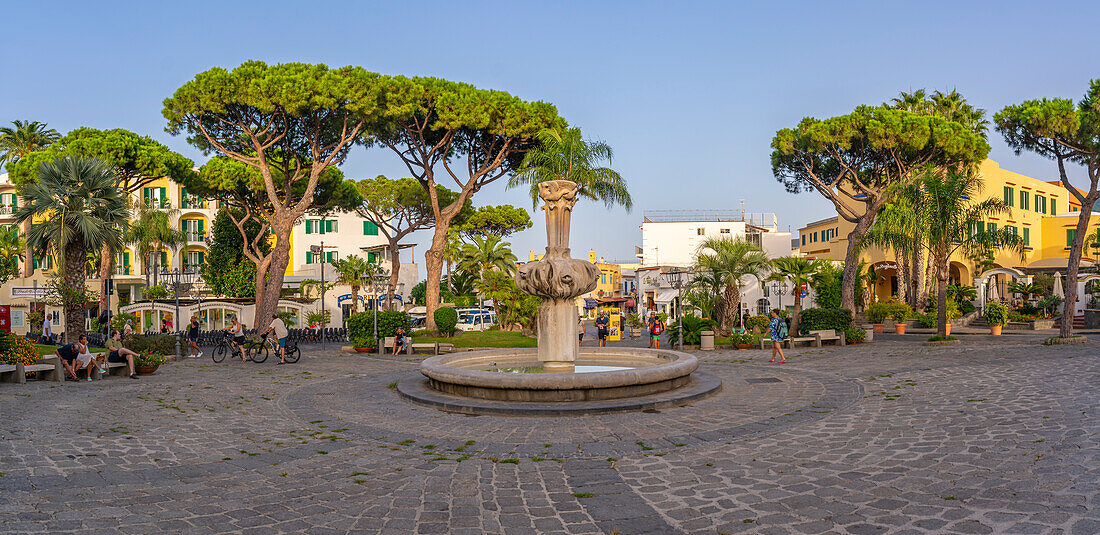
558 279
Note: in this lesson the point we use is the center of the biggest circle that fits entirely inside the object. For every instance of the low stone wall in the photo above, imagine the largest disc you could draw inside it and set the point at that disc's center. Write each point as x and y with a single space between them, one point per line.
1092 319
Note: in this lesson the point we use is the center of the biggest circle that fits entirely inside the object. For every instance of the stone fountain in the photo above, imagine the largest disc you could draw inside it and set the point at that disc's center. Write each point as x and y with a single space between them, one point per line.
558 280
557 377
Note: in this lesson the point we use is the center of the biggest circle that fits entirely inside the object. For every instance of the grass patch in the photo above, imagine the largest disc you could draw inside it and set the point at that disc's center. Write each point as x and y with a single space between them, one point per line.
584 495
392 386
50 350
492 338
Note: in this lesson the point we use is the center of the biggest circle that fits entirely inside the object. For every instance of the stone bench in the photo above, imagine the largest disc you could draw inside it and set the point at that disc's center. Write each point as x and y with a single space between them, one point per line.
49 367
433 347
113 368
817 337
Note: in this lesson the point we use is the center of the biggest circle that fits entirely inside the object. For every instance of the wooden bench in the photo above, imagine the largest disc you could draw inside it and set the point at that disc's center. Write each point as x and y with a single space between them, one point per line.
49 367
817 337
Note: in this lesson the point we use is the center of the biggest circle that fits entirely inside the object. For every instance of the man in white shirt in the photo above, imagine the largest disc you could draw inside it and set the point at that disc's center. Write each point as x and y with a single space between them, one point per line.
47 331
279 328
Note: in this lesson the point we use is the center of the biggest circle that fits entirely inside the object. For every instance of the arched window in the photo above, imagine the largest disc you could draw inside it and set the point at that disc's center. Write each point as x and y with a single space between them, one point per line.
762 306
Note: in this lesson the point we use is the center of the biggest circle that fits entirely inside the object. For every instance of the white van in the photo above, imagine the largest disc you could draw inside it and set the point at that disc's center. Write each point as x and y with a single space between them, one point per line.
475 319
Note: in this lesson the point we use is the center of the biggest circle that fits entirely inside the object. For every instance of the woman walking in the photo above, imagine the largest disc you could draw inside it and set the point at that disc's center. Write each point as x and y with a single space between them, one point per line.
777 329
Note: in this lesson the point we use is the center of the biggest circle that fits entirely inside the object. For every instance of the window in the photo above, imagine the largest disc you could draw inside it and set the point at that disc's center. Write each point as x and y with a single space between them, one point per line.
155 197
803 239
194 259
321 226
1053 206
309 254
371 257
370 229
991 228
975 228
331 226
193 228
724 231
1025 200
332 256
1011 230
1010 196
815 237
8 203
1027 237
603 278
1040 204
1071 233
700 231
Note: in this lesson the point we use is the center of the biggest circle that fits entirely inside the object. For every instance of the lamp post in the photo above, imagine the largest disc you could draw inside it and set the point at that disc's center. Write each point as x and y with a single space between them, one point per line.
376 278
779 289
675 278
319 253
177 278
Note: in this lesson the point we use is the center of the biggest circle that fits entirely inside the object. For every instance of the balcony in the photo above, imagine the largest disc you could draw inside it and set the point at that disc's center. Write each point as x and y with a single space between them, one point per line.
7 209
123 270
195 236
193 203
158 204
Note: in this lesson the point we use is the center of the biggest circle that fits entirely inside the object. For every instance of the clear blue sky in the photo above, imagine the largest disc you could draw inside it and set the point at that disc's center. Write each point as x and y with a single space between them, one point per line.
688 94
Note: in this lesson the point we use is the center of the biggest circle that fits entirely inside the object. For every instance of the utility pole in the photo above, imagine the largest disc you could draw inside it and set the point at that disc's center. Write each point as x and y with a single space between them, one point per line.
315 249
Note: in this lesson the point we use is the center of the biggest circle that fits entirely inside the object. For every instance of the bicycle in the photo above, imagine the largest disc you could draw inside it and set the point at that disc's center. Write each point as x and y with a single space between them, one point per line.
223 346
258 352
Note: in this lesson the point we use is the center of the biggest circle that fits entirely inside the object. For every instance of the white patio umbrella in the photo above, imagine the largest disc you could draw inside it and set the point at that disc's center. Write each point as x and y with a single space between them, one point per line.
1058 285
993 289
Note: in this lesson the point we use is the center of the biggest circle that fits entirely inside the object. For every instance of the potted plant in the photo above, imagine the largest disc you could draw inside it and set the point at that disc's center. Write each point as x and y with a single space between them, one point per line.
635 323
741 340
876 314
853 335
147 363
899 312
996 315
361 332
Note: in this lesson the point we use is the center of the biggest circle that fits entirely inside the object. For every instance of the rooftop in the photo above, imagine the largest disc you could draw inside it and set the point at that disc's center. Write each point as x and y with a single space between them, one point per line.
686 216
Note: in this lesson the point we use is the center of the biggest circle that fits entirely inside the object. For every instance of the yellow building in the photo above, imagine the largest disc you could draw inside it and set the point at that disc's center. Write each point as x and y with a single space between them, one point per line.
1043 214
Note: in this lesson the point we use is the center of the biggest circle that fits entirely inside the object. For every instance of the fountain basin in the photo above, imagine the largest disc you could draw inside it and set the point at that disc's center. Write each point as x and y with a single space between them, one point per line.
651 371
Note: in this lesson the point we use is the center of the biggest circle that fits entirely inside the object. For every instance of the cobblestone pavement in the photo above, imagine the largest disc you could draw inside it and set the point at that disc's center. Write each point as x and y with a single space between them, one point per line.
994 436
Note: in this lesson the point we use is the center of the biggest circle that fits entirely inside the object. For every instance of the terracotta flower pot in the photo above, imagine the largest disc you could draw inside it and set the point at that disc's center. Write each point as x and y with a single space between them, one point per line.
948 329
145 370
995 330
899 328
364 350
744 346
879 328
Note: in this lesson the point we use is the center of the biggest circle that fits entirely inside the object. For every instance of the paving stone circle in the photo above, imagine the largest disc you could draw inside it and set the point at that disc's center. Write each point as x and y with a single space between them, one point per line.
997 435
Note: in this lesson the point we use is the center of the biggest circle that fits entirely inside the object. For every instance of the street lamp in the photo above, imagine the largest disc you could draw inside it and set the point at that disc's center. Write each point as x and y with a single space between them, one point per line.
676 278
177 278
779 289
376 278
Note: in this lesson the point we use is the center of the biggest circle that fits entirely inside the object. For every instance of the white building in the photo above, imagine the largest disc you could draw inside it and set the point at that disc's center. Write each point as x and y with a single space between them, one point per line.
671 239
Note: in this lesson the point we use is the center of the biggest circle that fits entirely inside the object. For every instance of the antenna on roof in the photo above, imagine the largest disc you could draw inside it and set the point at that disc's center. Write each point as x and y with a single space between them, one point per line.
742 209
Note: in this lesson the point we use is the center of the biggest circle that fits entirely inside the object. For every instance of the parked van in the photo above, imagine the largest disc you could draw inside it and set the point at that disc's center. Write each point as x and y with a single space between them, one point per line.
475 319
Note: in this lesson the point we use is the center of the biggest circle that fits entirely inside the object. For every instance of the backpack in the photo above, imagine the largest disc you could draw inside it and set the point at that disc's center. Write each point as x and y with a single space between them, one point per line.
782 330
657 328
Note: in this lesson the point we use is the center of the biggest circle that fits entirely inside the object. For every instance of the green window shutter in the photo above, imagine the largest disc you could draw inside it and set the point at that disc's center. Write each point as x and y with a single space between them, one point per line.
309 226
126 258
163 195
202 258
991 227
371 257
1054 207
200 226
309 256
1070 234
1027 237
146 193
1008 196
1024 201
14 201
183 193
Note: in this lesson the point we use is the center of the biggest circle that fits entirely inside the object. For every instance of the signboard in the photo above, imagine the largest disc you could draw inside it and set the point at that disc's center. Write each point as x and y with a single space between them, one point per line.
614 328
29 292
803 290
17 318
347 297
5 318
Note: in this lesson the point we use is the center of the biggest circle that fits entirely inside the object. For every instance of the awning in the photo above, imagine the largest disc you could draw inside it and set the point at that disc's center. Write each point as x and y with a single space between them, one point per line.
629 303
1056 263
665 296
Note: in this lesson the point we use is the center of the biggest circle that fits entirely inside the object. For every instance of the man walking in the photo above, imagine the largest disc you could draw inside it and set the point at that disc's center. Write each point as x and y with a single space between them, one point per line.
47 331
603 323
193 339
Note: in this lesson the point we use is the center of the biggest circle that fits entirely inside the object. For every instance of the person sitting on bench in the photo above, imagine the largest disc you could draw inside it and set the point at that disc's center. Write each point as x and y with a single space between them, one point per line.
400 339
68 353
121 354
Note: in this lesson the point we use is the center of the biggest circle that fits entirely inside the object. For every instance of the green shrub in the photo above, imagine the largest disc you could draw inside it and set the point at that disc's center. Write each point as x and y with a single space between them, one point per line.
156 292
633 320
157 344
1049 303
149 359
445 320
390 320
693 327
361 330
995 314
465 301
17 349
877 312
899 312
759 323
745 338
965 307
816 319
854 335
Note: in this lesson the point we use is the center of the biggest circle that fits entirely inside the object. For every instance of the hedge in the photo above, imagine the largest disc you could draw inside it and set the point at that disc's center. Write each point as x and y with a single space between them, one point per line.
817 319
445 320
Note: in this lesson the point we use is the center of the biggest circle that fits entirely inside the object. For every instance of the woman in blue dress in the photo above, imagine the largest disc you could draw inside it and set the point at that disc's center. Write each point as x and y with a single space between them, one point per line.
775 332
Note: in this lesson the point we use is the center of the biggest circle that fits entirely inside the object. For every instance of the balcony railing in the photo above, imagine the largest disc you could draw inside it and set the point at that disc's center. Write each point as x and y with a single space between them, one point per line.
7 209
158 204
195 236
122 270
193 203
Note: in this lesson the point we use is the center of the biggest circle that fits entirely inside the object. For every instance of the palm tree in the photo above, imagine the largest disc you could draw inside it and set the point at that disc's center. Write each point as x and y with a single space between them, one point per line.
564 155
486 254
796 270
730 261
80 207
461 283
151 232
949 218
12 247
24 138
898 227
1026 289
350 271
705 293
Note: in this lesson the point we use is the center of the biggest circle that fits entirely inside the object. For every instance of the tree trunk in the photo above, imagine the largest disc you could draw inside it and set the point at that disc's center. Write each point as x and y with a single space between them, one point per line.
851 261
942 274
355 299
75 258
106 260
433 265
904 281
919 280
728 311
1066 329
395 269
268 300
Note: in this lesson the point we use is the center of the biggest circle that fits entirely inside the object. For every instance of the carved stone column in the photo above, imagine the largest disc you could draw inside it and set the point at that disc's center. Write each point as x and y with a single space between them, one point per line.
558 280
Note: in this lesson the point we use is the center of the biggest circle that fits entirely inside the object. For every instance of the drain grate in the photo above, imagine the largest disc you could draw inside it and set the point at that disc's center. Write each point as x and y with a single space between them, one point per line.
758 380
